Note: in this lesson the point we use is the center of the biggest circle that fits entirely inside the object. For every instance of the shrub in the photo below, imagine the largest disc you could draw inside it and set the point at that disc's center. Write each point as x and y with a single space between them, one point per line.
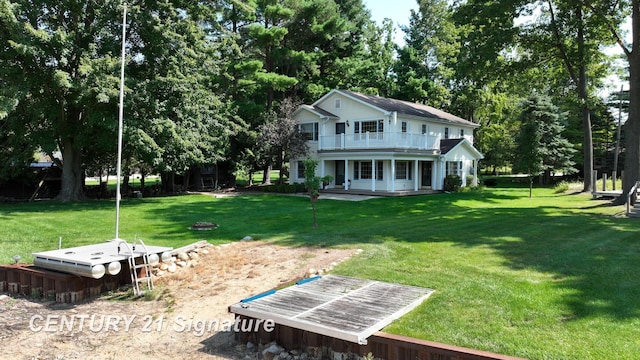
452 183
469 180
561 187
490 182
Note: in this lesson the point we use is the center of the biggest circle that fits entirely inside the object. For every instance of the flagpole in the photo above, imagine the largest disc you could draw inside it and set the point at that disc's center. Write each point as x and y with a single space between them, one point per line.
120 122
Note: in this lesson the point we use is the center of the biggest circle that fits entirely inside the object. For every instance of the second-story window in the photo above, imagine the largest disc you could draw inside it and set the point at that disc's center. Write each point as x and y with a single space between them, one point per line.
310 131
424 129
374 127
404 126
461 133
446 132
337 104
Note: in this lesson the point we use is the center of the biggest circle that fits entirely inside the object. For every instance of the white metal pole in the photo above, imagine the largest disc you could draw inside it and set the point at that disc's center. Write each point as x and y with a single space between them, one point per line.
120 121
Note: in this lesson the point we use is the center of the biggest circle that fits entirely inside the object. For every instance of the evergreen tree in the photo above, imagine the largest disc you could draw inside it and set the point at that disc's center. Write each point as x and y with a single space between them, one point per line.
541 147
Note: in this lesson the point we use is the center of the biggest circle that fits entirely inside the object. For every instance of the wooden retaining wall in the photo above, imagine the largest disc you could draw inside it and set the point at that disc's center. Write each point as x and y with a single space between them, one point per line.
29 280
381 345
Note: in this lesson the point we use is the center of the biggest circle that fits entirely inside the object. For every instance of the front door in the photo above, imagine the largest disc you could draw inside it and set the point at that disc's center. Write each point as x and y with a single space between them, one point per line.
339 172
426 173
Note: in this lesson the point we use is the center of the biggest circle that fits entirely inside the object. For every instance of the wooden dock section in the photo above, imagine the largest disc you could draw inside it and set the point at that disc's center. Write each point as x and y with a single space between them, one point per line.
345 308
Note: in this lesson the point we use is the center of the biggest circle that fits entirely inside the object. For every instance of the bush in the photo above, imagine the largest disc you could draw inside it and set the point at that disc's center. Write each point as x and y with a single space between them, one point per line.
469 180
561 187
452 183
490 182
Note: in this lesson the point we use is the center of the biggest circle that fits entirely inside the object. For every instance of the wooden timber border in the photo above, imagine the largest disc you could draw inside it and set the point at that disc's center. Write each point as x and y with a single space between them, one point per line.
381 345
32 281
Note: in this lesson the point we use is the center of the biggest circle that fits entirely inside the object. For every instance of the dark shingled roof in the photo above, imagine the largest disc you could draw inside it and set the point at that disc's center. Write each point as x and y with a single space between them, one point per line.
408 108
320 111
447 144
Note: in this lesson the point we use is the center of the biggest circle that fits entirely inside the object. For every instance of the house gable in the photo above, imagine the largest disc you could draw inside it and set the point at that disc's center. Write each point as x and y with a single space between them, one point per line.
348 107
459 149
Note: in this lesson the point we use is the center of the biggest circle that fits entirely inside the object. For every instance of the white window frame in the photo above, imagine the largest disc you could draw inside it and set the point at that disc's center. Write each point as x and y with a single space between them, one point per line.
374 127
404 170
311 135
358 170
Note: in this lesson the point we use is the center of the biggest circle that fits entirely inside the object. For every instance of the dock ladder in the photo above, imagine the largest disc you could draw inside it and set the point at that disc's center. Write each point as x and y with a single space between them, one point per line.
139 267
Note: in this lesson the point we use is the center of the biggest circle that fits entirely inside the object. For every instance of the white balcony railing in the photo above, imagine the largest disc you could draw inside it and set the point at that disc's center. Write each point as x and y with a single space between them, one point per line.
379 140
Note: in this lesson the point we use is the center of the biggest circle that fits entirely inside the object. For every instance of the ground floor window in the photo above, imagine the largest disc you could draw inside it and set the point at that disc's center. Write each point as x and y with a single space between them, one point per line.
300 169
403 170
363 170
454 167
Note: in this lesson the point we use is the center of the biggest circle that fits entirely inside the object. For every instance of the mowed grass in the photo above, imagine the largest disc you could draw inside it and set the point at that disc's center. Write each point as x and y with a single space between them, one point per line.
552 277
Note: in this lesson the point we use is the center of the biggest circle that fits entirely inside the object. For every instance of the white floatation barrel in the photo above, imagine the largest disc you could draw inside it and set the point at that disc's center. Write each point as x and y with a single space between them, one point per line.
154 259
114 268
95 271
165 256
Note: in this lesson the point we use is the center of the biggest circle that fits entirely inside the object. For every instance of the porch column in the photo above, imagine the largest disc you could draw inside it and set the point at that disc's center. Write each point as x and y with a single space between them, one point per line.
322 168
346 174
373 175
443 167
475 172
416 183
393 175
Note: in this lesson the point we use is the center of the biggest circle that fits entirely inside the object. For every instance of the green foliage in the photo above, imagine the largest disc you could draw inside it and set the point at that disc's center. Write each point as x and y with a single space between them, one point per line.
561 187
541 145
452 183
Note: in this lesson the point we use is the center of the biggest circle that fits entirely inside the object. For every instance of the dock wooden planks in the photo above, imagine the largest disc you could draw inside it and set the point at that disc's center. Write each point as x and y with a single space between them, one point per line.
342 307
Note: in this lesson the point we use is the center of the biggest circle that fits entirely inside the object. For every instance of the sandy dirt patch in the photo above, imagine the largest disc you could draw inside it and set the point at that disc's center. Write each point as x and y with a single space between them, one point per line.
184 318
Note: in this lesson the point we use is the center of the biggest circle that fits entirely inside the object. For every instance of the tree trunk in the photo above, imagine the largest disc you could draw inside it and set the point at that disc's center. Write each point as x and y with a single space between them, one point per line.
631 172
266 173
313 208
72 175
281 174
587 142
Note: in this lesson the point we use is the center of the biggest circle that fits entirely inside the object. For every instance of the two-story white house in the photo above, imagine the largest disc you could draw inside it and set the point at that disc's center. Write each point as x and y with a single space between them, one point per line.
371 143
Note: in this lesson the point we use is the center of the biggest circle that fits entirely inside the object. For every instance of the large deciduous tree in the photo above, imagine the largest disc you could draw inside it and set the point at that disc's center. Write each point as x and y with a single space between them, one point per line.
59 66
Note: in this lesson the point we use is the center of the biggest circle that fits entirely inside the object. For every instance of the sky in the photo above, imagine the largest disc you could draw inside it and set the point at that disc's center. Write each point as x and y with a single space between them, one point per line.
396 10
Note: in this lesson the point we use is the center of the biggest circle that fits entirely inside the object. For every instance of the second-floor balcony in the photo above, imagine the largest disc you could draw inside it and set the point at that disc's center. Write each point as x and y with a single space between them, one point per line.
379 140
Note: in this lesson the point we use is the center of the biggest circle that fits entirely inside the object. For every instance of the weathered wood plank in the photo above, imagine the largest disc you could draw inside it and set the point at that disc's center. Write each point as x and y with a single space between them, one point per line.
347 308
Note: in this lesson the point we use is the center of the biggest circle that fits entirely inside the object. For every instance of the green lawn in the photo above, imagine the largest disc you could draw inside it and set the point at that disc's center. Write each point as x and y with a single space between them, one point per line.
553 277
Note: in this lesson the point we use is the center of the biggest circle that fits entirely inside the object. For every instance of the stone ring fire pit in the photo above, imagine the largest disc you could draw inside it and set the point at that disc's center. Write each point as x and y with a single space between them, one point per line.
201 225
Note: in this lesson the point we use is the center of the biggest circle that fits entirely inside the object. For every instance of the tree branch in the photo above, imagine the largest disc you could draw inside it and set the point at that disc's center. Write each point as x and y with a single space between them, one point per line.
560 46
610 25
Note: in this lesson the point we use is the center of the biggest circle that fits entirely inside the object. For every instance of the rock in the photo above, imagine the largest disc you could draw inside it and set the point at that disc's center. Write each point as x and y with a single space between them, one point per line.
311 272
183 256
181 263
193 255
163 266
204 251
4 297
250 346
247 238
359 251
159 273
172 268
272 351
193 263
333 264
